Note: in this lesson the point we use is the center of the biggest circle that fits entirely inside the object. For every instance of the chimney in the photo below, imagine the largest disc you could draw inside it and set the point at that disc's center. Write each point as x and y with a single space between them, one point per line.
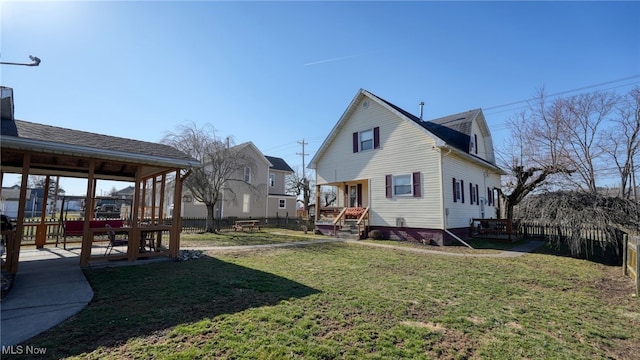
421 107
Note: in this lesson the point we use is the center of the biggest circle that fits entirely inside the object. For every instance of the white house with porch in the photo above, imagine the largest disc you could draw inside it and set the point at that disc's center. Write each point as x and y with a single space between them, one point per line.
411 179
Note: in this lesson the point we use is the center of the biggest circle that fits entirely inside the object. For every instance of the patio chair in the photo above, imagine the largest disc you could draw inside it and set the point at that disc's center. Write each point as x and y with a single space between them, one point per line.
114 241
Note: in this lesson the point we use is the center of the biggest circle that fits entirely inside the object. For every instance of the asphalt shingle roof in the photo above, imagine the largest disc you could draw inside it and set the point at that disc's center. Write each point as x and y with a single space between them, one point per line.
279 164
52 134
453 129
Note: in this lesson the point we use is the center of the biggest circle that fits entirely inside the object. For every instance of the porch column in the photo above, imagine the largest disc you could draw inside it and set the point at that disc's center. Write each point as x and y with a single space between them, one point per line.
317 214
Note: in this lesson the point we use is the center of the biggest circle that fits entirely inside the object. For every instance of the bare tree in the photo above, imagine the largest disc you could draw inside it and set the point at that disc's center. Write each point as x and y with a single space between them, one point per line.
222 170
300 186
329 195
622 141
537 151
583 117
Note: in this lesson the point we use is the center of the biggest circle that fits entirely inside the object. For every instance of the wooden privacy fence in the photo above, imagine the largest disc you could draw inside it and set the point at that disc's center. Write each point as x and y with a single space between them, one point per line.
631 260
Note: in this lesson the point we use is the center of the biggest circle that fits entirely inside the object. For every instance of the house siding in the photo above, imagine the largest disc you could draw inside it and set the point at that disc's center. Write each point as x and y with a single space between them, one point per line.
405 148
461 213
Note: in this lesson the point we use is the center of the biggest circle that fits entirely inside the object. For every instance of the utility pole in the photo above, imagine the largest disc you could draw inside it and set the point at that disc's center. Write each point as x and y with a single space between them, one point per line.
304 177
306 192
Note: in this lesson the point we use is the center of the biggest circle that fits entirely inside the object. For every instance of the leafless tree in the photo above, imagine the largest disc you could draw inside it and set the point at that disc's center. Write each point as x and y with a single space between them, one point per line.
537 151
302 187
329 195
583 118
622 141
222 170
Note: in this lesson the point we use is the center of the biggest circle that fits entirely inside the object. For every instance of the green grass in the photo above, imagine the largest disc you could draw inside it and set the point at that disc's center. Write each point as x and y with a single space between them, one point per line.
350 301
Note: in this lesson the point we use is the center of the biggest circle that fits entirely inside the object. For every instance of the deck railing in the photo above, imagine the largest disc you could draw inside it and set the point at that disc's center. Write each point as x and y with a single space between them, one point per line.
501 229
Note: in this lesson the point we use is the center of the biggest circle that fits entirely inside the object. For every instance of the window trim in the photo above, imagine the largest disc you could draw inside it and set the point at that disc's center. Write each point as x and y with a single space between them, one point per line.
272 179
282 203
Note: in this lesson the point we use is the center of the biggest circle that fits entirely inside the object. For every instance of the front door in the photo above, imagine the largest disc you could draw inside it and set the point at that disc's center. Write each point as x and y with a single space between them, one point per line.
355 195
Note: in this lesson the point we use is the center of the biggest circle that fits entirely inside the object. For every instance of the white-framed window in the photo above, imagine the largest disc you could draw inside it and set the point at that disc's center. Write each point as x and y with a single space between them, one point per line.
458 191
272 180
366 140
246 202
247 174
402 185
282 203
474 196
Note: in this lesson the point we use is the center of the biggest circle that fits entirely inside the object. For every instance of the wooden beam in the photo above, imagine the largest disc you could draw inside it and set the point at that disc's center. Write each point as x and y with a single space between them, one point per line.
87 236
41 230
133 248
13 257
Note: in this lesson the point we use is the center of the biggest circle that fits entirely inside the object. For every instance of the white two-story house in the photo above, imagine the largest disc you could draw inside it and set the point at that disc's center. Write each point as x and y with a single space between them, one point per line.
411 179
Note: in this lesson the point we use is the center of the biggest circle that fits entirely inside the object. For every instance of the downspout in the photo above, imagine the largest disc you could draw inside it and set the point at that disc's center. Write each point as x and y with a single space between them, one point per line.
445 211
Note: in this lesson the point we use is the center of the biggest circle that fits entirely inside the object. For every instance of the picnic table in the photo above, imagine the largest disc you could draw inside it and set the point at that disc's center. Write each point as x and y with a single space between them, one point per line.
240 225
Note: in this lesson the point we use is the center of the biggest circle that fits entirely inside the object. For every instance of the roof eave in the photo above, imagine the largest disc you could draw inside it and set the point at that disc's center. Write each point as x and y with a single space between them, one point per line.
16 143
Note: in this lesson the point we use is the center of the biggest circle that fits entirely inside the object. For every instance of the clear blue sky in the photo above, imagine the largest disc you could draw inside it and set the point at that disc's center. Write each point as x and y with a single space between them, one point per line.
278 72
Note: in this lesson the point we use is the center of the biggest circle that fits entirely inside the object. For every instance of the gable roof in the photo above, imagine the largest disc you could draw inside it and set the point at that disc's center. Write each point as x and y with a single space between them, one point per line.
454 130
279 164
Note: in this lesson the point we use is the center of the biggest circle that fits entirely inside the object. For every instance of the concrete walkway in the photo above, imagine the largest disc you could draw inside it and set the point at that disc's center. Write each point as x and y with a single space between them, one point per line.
50 286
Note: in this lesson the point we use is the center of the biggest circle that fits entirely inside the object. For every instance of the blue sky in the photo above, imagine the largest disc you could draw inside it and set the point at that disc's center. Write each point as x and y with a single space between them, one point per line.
278 72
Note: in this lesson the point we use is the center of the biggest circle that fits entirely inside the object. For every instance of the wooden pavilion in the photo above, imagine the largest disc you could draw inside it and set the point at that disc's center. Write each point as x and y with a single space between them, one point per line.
35 149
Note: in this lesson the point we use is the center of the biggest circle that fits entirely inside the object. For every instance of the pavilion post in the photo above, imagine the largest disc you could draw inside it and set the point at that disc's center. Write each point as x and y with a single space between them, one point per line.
133 248
87 236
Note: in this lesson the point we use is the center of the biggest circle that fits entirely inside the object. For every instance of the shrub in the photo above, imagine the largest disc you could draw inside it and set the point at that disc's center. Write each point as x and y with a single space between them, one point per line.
376 235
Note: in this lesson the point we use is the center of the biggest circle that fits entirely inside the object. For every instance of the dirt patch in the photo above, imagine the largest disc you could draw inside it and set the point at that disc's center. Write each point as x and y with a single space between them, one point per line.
453 344
616 290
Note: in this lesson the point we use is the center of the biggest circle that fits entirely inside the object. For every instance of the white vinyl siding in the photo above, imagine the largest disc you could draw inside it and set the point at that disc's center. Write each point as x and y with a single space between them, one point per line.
470 176
404 148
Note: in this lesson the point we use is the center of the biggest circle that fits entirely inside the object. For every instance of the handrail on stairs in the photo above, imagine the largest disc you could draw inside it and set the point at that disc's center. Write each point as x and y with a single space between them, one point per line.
363 217
337 219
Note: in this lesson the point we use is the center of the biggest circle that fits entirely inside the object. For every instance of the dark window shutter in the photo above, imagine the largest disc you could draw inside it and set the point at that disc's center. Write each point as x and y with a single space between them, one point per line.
489 200
475 137
359 194
462 191
477 196
376 137
355 142
416 185
387 182
455 198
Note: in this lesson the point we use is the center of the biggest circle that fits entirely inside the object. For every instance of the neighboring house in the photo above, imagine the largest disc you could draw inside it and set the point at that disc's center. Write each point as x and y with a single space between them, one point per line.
420 180
266 199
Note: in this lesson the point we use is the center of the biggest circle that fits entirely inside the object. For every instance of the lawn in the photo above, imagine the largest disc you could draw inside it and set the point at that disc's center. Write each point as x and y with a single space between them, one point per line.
237 238
350 301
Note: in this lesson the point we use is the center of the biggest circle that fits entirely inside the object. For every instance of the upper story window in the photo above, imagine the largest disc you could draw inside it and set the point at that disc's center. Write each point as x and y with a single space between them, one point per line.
247 174
366 140
272 180
473 145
